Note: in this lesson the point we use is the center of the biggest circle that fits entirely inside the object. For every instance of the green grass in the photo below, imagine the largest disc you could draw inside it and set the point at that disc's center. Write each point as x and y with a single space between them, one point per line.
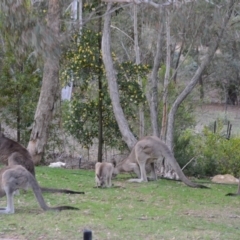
146 211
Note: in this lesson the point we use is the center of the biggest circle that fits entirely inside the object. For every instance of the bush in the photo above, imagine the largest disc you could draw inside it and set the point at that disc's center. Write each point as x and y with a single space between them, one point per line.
185 150
213 153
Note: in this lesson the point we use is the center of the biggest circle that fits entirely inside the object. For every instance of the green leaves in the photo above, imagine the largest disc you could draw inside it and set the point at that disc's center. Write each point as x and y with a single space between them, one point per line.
83 57
213 153
83 63
20 87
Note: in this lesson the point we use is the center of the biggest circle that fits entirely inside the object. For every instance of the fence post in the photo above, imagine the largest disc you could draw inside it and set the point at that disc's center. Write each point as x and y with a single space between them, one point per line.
79 161
215 127
229 128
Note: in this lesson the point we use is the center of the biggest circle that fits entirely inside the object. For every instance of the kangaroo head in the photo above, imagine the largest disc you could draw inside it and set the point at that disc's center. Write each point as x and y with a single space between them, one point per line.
100 180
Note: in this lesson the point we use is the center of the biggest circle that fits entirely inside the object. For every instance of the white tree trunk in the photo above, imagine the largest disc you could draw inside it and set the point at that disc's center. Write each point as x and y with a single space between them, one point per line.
166 81
153 80
128 137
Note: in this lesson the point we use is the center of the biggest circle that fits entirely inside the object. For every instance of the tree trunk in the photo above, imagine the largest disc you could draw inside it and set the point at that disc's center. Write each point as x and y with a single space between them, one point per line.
178 60
128 137
195 79
137 52
153 99
18 118
166 81
100 97
201 87
50 88
100 121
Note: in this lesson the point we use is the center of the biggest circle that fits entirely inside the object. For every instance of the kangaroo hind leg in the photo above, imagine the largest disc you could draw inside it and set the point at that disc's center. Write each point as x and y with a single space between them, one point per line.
143 176
10 201
12 181
109 181
153 175
141 158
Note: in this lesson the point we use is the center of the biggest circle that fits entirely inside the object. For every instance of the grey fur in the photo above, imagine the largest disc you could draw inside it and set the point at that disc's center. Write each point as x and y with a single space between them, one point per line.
103 174
13 153
147 150
13 178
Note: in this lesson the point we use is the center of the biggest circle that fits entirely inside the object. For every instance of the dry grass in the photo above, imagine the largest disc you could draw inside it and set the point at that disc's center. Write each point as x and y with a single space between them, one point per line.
208 113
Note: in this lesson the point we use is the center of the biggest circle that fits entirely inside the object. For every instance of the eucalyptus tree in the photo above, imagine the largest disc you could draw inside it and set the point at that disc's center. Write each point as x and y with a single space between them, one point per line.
81 118
50 84
20 87
20 73
208 32
224 72
40 25
213 43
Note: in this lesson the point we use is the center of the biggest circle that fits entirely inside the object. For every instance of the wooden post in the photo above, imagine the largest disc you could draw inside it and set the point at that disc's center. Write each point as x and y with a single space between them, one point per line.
215 127
79 162
229 128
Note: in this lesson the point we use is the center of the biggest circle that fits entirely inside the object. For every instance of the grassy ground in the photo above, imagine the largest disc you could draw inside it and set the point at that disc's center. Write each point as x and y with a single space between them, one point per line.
156 210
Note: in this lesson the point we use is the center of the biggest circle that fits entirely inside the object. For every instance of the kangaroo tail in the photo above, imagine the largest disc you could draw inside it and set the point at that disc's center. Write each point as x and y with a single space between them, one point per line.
202 186
56 190
60 208
232 194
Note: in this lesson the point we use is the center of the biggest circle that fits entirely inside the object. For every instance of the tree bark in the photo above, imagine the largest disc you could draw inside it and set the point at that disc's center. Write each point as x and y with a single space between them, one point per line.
178 60
138 61
100 97
166 81
153 80
195 79
128 137
50 87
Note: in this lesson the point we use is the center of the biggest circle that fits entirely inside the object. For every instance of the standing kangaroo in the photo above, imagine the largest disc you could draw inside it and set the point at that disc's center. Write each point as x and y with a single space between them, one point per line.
13 153
147 150
103 173
15 177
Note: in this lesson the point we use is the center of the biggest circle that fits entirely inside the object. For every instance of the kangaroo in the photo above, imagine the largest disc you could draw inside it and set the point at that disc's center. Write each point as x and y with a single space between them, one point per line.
103 174
15 177
147 150
13 153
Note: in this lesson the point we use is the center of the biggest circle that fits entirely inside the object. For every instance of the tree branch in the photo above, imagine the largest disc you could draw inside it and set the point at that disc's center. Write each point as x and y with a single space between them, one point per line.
208 57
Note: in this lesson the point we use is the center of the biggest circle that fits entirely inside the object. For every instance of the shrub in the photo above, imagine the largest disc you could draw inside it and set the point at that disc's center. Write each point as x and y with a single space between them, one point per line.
213 153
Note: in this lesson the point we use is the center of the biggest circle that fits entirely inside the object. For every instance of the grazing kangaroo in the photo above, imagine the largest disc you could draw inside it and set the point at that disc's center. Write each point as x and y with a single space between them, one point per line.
103 174
13 153
147 150
13 178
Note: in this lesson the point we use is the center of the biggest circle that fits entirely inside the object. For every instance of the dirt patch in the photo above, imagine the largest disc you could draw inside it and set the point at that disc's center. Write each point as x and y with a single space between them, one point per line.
10 238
